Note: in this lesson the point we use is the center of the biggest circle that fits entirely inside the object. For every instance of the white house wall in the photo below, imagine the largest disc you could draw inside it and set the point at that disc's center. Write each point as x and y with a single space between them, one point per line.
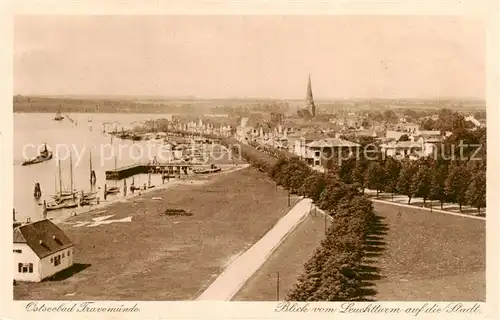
428 148
47 268
26 256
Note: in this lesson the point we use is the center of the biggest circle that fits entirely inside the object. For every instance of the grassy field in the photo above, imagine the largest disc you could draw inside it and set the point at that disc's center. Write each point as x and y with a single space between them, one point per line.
287 260
416 256
158 257
427 256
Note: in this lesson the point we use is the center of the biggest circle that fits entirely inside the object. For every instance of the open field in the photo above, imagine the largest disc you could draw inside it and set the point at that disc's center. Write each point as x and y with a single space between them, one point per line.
287 260
416 256
247 264
421 255
156 257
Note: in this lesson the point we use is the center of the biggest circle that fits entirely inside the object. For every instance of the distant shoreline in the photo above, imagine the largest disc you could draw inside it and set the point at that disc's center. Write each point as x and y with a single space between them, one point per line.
39 104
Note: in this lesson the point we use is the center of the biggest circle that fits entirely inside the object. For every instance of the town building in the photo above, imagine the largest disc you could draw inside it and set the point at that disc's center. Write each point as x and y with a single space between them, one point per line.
322 150
408 127
402 149
394 135
41 249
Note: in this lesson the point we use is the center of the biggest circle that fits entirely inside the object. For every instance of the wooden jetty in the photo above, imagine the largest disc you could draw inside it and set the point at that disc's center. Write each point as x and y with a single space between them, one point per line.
140 168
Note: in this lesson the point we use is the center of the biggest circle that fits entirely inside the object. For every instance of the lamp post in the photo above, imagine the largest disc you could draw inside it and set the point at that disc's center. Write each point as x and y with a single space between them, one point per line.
277 284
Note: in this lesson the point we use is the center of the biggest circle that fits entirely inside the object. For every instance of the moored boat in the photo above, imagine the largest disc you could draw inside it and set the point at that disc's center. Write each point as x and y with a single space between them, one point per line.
88 198
212 169
111 190
60 205
45 155
65 196
58 116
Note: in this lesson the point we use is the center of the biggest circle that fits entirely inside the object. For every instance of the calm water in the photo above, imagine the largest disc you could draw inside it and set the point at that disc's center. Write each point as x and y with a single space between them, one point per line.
37 129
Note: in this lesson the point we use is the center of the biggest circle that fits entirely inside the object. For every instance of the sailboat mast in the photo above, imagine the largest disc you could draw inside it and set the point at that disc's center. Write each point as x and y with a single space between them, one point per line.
71 171
60 178
90 168
116 180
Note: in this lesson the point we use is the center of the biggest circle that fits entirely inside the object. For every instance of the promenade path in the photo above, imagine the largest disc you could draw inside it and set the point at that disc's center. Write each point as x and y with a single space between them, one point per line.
242 268
417 202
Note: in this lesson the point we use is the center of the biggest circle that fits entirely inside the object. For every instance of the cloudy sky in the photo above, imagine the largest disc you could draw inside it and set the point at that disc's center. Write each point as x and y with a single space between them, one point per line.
250 56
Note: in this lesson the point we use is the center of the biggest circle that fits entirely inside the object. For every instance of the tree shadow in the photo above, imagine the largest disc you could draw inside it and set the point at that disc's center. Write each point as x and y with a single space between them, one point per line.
374 247
67 273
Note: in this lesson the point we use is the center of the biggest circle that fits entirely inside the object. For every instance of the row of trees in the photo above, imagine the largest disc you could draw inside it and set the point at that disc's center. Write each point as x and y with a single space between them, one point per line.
455 172
447 120
461 182
334 271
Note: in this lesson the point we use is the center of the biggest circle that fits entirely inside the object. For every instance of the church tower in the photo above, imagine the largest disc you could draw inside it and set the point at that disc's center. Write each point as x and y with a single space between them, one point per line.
310 101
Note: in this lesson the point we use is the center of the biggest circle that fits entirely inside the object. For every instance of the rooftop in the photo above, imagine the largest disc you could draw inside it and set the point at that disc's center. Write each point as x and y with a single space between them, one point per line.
331 142
429 132
402 144
43 237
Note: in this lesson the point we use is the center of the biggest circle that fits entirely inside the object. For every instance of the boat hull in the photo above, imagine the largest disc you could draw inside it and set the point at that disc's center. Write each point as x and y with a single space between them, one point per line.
60 206
38 159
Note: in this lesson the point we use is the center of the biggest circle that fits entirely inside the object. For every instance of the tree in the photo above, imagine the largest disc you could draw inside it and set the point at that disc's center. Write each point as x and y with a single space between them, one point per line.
375 177
331 195
462 143
346 169
405 177
437 189
421 183
404 137
392 169
457 183
358 174
313 185
429 124
390 116
296 174
411 114
476 192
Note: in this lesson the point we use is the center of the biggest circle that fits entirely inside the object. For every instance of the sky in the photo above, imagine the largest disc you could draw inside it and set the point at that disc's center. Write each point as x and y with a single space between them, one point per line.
250 56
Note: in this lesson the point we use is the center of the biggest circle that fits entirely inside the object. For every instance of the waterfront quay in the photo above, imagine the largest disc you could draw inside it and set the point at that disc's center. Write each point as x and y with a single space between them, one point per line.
142 168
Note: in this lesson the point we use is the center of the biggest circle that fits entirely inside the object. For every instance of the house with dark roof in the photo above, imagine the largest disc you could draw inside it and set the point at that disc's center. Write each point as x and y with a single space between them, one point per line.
323 150
41 249
402 149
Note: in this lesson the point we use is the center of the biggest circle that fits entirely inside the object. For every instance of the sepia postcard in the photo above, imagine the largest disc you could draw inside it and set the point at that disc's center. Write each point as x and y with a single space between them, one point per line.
287 160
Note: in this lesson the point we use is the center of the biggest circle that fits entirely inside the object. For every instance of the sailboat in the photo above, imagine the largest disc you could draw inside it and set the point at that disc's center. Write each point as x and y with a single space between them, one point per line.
58 116
149 181
61 195
132 185
88 197
64 200
115 189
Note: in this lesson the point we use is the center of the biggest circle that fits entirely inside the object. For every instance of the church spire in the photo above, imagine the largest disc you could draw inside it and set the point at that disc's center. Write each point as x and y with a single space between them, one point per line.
310 100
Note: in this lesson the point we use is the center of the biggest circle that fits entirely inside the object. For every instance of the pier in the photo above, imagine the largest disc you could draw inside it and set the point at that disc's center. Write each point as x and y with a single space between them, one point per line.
139 168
